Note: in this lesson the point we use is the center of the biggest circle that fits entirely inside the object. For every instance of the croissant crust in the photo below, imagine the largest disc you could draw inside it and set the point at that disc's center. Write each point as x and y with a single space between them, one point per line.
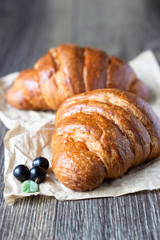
68 70
101 134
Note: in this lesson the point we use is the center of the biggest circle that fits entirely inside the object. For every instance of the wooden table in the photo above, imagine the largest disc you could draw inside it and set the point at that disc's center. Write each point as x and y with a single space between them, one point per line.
123 28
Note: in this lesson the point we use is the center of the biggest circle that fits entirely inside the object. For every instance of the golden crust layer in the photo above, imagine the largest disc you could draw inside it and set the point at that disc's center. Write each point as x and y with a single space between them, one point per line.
101 134
68 70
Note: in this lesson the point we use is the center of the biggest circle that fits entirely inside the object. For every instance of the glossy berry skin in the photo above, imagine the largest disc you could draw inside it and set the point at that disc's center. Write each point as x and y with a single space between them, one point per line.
37 174
21 172
41 162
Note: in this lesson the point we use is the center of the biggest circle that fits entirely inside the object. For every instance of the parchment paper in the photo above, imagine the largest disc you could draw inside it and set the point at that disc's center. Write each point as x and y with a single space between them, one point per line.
30 137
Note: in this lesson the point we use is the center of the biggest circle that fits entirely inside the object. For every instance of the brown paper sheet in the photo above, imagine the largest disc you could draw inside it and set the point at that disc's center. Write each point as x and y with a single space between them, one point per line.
30 136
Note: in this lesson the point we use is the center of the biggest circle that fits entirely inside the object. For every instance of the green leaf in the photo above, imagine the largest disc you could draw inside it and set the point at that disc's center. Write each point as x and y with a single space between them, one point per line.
29 186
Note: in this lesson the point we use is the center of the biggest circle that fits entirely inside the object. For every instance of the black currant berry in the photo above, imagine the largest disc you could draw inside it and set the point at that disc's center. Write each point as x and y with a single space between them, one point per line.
37 174
41 162
21 172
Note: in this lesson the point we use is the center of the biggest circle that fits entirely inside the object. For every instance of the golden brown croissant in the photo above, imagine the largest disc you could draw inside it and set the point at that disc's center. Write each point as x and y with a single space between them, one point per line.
101 134
68 70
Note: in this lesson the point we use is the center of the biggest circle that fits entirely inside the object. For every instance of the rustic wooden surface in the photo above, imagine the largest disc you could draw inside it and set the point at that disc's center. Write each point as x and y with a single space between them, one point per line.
27 30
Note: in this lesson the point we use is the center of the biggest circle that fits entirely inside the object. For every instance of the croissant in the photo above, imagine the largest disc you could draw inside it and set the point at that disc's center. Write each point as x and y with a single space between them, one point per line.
68 70
101 134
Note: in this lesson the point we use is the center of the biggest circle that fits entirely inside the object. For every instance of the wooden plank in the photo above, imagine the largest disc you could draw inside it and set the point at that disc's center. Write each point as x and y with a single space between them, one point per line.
27 30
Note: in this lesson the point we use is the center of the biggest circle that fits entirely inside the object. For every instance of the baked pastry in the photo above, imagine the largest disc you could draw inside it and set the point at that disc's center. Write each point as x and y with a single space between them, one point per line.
68 70
101 134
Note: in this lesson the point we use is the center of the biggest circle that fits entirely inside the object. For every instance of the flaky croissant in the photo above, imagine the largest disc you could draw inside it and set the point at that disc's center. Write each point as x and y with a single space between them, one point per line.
68 70
101 134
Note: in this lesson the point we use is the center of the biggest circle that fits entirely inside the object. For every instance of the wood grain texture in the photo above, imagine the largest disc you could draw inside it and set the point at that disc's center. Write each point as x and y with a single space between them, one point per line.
123 28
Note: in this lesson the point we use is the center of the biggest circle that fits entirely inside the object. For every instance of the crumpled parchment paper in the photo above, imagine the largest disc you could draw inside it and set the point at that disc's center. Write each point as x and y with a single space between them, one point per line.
30 136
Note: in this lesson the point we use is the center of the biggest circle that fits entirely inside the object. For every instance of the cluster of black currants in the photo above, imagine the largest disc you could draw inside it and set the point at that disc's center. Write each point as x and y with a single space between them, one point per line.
36 174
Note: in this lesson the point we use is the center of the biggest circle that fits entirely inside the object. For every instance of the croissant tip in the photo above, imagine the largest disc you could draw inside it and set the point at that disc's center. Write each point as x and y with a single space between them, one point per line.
140 89
16 99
